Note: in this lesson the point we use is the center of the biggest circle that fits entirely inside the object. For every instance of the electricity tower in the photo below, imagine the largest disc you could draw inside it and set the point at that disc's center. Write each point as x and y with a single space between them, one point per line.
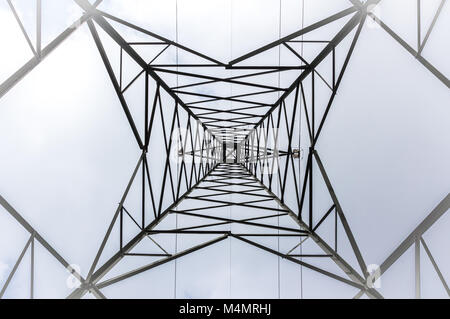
230 149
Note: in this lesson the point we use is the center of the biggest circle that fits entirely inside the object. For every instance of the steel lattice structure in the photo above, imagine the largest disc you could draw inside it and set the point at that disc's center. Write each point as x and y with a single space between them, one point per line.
210 152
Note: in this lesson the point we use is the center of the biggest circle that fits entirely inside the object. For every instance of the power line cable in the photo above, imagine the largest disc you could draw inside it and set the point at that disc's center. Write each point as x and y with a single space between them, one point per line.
279 84
299 147
176 215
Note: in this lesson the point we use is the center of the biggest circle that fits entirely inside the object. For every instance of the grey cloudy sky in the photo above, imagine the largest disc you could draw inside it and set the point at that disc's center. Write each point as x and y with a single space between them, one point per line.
67 151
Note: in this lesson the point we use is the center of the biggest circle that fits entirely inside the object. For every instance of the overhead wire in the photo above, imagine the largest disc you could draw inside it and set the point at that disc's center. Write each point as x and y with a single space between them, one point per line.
276 141
231 108
178 165
299 147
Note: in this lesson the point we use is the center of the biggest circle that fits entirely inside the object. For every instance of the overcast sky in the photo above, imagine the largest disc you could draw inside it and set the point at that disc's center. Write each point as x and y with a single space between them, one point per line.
68 152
